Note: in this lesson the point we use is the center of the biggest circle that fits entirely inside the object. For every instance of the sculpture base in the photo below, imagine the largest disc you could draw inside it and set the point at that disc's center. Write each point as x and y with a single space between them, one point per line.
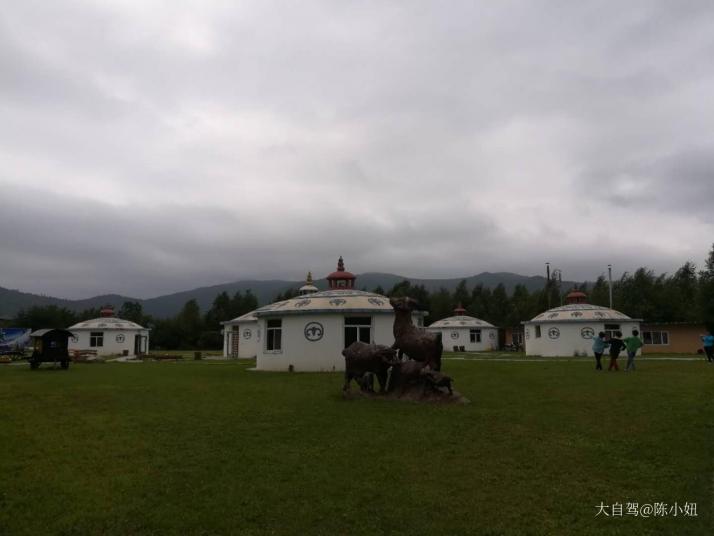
414 393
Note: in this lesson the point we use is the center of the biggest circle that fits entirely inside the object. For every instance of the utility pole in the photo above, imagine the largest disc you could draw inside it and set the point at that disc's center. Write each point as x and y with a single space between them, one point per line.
547 282
609 278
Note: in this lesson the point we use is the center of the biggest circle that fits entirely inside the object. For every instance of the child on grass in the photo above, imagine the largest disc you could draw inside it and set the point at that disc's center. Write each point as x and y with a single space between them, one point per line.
616 345
708 343
599 345
632 344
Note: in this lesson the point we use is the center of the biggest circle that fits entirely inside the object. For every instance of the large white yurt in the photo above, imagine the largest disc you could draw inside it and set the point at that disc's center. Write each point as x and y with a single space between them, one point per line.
109 335
463 333
568 330
309 332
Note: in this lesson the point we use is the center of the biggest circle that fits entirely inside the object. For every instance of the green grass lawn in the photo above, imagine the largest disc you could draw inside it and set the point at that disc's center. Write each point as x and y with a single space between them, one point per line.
212 448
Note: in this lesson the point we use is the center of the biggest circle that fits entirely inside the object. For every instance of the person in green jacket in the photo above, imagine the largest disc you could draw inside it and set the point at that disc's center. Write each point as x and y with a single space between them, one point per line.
632 344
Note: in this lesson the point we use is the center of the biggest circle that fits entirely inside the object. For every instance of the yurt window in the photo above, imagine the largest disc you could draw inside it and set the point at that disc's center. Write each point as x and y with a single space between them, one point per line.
537 332
475 335
274 336
610 329
96 338
358 328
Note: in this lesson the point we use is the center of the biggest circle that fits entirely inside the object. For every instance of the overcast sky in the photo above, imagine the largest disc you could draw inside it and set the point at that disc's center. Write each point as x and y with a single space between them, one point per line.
151 147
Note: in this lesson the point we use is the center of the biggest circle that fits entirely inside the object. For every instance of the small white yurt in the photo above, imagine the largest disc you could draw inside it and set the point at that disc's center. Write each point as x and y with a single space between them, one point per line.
109 335
463 333
240 336
568 330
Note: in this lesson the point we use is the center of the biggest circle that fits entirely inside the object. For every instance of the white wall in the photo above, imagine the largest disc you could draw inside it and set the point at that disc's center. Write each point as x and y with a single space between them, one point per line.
247 333
111 346
489 338
570 339
322 355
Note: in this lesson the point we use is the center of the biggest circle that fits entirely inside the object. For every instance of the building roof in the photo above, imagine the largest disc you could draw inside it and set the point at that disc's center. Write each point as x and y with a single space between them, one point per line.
248 317
580 312
106 322
329 301
461 321
43 332
306 289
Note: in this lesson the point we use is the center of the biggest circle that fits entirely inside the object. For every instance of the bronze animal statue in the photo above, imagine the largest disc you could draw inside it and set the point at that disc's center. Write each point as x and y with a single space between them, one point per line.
406 374
362 359
436 379
417 343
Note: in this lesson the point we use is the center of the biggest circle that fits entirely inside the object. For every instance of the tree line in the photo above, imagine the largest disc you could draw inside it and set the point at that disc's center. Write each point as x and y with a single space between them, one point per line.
686 295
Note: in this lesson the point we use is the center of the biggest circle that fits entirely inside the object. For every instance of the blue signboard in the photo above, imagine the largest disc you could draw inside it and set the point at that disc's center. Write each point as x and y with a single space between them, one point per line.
13 339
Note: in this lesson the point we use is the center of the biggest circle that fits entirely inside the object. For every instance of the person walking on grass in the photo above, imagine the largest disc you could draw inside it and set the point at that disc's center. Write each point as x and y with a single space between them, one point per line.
616 345
708 343
632 344
599 345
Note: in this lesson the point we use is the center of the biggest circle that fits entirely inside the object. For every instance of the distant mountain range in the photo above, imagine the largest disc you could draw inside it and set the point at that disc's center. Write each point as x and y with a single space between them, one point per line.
12 301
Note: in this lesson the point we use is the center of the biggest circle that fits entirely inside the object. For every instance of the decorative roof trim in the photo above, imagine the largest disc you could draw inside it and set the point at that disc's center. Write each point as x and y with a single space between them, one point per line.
341 312
582 321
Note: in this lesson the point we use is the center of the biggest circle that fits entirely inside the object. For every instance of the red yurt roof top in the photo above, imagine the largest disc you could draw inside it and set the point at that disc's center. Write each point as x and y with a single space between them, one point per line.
341 274
575 296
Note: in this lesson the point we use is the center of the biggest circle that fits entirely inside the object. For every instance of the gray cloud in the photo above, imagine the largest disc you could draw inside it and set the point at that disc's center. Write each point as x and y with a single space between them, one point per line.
151 147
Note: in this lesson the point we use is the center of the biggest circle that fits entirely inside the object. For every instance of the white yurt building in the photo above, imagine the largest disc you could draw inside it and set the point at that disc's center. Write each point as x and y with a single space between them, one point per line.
463 333
309 332
568 330
109 335
240 336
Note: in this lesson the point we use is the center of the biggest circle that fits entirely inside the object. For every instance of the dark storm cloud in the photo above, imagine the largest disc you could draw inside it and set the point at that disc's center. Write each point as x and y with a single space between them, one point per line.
148 147
680 183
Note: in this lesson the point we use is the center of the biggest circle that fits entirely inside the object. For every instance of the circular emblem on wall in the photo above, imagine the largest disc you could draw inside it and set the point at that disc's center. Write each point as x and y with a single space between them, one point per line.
454 334
247 334
553 333
375 301
120 337
337 302
302 303
587 333
492 335
74 339
314 331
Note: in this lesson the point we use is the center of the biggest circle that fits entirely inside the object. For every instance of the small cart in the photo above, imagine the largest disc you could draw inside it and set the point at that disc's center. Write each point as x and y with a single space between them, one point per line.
50 346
